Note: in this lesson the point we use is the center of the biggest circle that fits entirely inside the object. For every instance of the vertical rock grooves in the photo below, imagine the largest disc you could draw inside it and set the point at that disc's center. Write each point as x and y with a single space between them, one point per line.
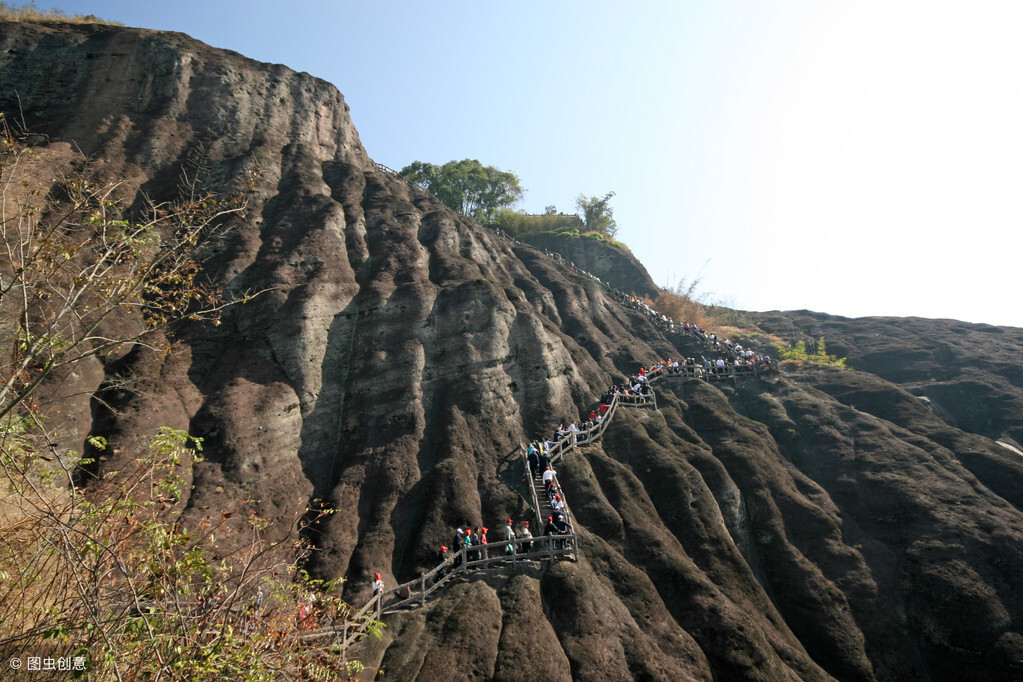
815 525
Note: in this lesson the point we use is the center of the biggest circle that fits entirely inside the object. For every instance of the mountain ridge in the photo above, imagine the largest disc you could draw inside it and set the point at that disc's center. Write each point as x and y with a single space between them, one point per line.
817 524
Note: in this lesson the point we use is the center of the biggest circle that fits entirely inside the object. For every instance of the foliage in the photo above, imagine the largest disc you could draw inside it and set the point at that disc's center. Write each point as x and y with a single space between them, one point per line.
519 224
78 279
683 303
817 355
111 573
686 303
467 186
729 315
29 12
598 214
113 578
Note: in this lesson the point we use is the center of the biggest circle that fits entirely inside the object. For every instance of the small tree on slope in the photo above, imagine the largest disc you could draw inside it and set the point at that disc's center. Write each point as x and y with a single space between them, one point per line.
108 576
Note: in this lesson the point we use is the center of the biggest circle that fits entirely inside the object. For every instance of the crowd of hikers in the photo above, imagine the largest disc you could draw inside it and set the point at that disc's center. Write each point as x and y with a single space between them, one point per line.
732 356
517 538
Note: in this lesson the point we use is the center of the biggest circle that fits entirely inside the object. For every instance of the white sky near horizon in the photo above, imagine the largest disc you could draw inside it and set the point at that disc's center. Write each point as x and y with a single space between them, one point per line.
855 158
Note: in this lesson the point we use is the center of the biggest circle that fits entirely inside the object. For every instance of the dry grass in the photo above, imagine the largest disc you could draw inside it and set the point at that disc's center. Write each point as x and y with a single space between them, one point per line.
684 305
685 308
26 598
31 13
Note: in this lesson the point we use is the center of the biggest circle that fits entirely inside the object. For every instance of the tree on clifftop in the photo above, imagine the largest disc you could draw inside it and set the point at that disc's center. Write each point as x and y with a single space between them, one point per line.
467 186
598 214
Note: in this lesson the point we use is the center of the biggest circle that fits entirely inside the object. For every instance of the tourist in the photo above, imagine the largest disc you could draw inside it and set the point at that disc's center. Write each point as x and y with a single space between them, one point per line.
509 536
550 529
456 546
527 546
474 541
442 556
548 478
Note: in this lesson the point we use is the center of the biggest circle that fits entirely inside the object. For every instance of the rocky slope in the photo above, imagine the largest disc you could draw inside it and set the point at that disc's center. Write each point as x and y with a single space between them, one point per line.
611 263
968 374
817 524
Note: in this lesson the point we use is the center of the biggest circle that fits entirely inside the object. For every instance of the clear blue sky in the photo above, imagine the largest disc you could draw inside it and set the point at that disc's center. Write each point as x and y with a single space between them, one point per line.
856 158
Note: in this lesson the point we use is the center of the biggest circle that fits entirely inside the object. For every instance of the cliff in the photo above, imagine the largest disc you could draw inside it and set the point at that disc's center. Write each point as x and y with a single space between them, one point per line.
816 524
612 263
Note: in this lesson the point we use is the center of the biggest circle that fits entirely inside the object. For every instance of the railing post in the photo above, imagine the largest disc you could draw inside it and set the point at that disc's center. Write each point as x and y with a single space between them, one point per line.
422 588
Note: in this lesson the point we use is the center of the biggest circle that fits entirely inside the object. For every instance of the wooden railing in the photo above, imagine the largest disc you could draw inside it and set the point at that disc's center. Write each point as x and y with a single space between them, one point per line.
532 488
578 438
349 629
416 591
730 372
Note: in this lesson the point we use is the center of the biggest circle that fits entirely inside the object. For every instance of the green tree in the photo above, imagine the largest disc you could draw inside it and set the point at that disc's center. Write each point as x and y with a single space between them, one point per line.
819 356
467 186
598 214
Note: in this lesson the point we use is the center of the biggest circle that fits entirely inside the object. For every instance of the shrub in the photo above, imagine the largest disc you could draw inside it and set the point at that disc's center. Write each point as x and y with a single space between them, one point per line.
31 13
113 578
520 224
683 303
818 356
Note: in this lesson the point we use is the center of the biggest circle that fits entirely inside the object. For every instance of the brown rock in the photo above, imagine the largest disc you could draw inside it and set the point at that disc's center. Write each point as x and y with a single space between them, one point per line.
813 525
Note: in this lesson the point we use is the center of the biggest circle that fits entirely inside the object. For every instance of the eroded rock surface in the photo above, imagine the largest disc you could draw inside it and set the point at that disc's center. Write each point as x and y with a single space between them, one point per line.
815 524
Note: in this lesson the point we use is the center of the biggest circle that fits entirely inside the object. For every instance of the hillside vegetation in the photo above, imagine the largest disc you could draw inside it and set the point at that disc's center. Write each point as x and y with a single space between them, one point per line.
30 12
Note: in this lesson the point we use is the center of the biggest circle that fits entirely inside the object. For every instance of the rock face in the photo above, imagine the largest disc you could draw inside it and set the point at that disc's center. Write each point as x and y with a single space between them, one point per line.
817 524
611 263
968 374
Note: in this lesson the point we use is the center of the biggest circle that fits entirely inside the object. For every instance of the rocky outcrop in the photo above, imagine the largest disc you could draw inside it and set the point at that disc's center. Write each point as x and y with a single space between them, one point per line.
816 524
611 262
968 374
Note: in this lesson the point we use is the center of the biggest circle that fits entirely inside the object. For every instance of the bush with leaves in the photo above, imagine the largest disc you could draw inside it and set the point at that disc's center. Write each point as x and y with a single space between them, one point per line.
683 303
817 355
110 573
598 214
520 224
79 279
